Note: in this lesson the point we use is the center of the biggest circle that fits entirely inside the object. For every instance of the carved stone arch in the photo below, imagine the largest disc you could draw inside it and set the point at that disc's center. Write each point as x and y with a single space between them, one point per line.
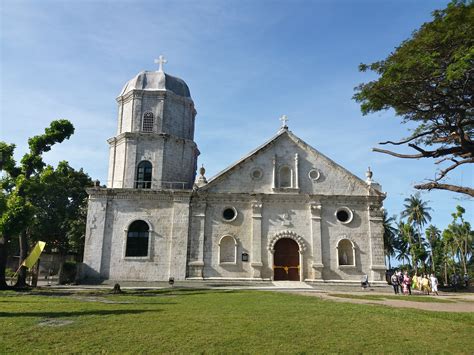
236 240
227 253
346 248
287 234
344 236
285 176
149 243
130 221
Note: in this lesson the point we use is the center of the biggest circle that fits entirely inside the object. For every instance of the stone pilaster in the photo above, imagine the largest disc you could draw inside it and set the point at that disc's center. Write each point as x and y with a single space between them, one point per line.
94 240
315 209
274 172
196 265
178 240
377 262
296 184
137 112
256 256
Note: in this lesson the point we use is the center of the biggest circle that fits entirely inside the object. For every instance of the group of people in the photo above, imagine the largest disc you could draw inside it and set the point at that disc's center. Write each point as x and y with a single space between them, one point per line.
404 283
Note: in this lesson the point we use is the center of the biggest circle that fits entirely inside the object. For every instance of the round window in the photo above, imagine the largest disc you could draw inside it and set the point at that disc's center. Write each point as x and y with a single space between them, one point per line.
314 174
229 214
256 174
344 215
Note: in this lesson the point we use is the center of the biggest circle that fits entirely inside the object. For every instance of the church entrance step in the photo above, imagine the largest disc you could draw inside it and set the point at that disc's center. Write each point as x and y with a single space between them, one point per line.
290 284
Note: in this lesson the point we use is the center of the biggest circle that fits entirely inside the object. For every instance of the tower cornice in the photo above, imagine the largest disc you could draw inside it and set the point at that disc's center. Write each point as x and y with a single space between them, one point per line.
151 136
137 93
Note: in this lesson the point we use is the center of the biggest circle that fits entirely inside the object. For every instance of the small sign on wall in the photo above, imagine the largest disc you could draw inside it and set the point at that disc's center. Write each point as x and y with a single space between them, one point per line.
245 257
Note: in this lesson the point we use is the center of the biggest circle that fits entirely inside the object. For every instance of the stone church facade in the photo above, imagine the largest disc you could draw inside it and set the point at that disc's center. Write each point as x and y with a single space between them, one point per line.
283 212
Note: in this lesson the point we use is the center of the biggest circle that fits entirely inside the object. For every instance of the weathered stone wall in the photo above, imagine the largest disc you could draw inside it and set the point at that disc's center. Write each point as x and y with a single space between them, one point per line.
170 147
166 213
333 179
282 214
178 116
216 227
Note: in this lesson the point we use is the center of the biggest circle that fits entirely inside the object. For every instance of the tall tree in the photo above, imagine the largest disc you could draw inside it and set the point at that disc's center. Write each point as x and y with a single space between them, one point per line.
417 212
460 234
406 246
433 237
389 237
61 208
19 185
429 81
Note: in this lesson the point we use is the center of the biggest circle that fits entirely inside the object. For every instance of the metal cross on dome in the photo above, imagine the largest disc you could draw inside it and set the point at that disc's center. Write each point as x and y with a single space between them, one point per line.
160 61
284 119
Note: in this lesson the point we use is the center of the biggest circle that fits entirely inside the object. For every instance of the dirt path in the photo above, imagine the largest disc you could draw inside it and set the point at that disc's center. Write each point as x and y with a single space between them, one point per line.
463 303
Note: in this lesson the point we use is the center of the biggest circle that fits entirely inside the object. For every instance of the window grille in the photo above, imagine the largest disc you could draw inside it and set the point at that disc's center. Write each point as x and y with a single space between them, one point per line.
148 122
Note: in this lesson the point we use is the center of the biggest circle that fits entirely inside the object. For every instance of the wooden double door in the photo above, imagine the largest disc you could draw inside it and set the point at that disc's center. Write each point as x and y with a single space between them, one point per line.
286 260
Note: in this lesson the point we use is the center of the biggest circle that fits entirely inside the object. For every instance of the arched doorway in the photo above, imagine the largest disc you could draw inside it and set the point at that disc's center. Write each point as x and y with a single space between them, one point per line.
286 260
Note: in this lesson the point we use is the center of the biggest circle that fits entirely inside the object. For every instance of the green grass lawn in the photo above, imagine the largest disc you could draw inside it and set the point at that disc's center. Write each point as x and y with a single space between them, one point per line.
220 322
413 298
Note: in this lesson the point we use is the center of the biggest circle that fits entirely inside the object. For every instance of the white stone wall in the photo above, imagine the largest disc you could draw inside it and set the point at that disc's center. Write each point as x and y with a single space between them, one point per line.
333 180
282 213
216 228
179 239
166 213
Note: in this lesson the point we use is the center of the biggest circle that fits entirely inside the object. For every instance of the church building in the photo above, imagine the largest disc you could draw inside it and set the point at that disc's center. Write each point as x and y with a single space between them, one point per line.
284 211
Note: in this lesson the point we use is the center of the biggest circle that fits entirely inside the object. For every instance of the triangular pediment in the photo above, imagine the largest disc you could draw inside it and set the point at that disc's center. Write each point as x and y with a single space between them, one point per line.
287 164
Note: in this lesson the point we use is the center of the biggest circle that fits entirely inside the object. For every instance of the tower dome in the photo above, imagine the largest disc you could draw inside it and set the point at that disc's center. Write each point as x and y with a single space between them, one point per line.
154 146
156 81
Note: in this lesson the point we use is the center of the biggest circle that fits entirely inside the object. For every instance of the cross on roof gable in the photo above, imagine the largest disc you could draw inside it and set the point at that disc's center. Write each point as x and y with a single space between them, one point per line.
298 141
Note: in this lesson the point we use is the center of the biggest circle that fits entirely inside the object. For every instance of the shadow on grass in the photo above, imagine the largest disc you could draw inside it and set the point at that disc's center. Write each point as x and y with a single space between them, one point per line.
171 292
175 292
116 312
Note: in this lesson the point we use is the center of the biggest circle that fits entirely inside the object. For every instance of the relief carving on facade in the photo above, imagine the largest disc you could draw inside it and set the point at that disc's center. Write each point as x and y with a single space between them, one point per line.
286 219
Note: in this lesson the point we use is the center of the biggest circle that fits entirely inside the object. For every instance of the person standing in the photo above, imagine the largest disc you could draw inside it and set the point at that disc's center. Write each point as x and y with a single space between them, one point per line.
414 282
400 280
466 280
434 284
425 284
409 283
394 282
406 283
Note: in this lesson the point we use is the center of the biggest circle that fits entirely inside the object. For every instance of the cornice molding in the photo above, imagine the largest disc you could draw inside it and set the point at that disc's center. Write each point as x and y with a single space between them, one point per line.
164 94
147 136
139 194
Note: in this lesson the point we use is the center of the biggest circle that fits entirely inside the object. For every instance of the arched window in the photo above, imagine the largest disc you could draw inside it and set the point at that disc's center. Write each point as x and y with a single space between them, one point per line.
345 252
285 177
148 121
144 172
137 239
227 249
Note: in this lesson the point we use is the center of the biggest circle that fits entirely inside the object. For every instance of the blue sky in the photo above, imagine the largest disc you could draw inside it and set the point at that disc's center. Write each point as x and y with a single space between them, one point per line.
246 63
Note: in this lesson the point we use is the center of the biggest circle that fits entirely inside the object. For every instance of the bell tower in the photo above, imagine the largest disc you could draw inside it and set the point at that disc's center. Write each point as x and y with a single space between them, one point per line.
154 147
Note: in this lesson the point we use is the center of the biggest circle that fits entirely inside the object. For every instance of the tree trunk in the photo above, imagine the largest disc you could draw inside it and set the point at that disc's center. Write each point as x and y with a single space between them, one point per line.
21 282
446 273
432 262
463 261
3 262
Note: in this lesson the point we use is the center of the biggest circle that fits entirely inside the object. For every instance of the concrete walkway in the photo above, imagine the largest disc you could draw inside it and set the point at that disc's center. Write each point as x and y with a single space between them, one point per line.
464 303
